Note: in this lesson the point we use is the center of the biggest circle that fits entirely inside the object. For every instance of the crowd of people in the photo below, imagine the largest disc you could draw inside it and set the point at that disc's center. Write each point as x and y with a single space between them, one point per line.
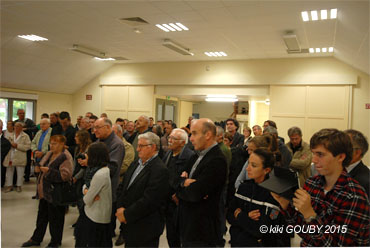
190 180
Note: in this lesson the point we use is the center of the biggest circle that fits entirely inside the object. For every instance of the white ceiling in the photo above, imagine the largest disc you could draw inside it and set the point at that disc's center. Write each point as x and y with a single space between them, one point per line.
242 29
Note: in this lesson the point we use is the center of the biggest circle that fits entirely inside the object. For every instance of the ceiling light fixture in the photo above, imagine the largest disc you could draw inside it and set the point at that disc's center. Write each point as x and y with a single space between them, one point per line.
104 59
32 37
220 95
172 27
87 51
305 16
314 16
216 54
333 13
324 50
177 47
221 98
324 14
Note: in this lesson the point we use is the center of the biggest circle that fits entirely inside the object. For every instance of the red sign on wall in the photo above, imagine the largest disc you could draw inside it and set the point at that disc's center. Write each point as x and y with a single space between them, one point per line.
367 106
88 97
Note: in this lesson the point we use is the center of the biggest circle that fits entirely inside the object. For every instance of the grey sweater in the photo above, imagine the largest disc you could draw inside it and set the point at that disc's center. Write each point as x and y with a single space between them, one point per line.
99 211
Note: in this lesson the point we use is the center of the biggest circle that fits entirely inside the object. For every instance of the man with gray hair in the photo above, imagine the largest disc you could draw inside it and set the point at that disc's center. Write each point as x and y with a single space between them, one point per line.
144 192
40 143
357 170
175 160
302 155
105 134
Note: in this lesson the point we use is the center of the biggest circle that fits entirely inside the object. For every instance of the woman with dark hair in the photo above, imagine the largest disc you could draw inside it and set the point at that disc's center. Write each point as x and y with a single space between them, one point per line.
83 141
55 167
157 129
93 225
253 206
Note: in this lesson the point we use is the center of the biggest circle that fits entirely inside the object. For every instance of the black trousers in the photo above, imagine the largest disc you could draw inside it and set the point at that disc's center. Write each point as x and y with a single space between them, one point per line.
52 215
113 219
27 170
172 231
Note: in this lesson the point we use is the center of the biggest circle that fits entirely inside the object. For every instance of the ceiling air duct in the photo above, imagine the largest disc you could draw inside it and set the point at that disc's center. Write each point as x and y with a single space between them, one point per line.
176 47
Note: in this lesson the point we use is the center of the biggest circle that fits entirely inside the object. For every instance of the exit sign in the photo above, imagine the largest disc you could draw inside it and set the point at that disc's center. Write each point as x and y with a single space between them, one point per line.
367 106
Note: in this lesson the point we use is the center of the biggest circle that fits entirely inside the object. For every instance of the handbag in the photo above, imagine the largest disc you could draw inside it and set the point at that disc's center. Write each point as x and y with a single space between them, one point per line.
64 194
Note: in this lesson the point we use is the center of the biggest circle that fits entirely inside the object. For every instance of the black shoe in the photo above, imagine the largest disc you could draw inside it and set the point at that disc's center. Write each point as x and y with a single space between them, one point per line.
30 243
34 197
120 240
52 245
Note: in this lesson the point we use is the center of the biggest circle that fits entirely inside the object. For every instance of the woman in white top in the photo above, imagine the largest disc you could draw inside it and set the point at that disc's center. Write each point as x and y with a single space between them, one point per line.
93 225
17 157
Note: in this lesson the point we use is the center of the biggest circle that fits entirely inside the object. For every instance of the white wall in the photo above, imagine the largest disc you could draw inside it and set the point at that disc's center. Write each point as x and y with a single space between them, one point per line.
185 110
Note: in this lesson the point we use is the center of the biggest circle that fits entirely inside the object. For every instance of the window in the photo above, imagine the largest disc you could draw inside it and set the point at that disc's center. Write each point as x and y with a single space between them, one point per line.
9 107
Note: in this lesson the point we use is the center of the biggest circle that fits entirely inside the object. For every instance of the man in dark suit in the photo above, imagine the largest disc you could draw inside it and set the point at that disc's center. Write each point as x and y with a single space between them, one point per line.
357 169
144 192
232 127
67 130
200 191
175 160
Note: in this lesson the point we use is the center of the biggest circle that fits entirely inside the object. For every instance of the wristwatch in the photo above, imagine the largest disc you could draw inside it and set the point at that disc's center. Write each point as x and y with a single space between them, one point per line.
309 219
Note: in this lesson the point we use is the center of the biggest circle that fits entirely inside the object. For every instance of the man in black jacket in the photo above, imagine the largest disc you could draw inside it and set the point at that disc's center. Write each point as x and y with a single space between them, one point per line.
175 160
67 130
5 148
144 192
232 127
357 169
200 191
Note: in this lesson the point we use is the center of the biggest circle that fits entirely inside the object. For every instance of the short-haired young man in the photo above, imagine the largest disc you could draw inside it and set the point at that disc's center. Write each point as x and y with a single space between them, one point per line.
334 205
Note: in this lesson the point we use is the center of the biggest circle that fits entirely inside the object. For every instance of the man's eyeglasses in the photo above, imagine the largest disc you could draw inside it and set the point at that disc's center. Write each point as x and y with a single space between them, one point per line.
98 127
141 146
173 137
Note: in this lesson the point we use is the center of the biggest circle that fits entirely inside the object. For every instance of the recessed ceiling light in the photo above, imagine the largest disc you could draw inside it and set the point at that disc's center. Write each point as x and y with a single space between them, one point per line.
333 13
305 16
317 50
215 54
104 59
172 27
314 15
32 37
324 14
220 95
169 27
163 28
331 49
324 49
182 26
311 50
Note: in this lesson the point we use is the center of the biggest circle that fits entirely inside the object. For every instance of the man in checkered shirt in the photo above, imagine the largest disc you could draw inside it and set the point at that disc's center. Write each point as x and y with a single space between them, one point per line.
331 202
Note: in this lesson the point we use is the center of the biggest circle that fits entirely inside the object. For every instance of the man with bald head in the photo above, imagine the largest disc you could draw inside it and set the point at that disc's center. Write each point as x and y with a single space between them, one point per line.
200 190
141 126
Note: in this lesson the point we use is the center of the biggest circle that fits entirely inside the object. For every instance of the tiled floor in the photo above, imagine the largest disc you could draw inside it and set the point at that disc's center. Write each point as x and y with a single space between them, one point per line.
18 220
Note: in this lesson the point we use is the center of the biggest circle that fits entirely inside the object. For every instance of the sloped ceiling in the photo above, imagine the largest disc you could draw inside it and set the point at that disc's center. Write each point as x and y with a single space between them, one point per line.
242 29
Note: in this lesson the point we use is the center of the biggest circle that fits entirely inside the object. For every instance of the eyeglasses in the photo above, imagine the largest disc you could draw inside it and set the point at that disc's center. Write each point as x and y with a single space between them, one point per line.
141 146
173 137
97 127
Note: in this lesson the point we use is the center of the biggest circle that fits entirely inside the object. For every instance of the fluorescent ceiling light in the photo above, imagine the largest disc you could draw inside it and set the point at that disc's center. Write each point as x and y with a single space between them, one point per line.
312 50
32 37
333 13
169 27
324 14
172 27
163 28
220 99
317 50
221 96
324 49
104 59
175 27
331 49
305 16
314 15
267 101
182 26
215 54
